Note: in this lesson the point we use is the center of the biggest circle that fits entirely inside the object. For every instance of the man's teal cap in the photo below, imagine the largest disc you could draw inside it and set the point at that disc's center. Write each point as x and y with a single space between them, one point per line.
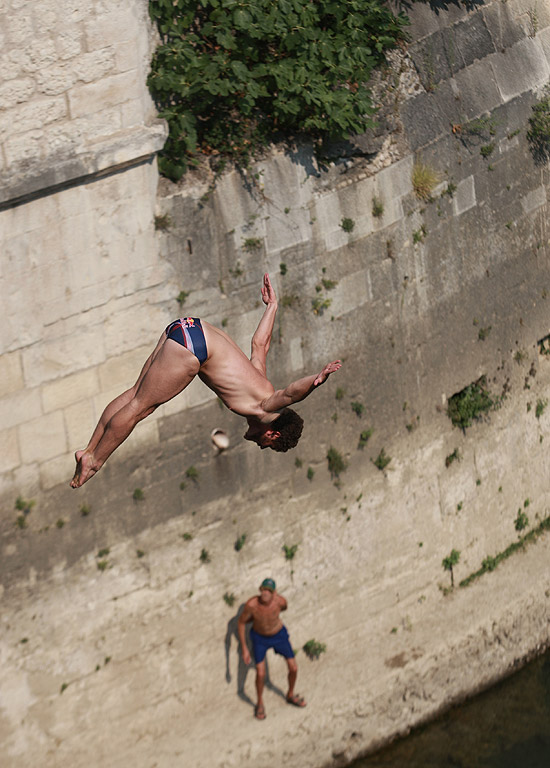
268 584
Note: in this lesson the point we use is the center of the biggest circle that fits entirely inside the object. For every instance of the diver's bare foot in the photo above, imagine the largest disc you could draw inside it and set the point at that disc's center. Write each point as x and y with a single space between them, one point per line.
84 468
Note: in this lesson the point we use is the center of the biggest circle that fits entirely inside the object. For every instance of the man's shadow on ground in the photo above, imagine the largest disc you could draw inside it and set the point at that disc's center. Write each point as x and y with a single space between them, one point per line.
242 669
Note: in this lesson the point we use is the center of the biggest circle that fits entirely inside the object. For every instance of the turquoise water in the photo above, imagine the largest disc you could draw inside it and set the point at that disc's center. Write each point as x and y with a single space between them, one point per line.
508 726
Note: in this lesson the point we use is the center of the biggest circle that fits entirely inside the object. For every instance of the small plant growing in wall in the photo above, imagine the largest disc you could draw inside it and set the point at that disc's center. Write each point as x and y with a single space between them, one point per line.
424 180
313 649
310 473
339 394
364 438
538 134
181 297
541 405
204 556
138 495
24 505
449 562
357 407
84 510
347 225
319 305
521 521
229 598
191 473
382 460
454 456
163 222
290 551
239 544
419 234
377 207
252 244
471 403
336 464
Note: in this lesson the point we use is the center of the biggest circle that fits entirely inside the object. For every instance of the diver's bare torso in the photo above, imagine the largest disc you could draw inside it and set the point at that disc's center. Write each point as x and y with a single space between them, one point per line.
231 375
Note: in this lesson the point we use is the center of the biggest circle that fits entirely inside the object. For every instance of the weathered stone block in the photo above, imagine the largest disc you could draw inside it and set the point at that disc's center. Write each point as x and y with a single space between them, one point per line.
471 38
56 471
53 359
9 450
476 91
28 146
422 119
19 26
20 407
45 14
123 370
521 68
16 91
502 25
61 393
146 323
91 98
11 373
69 42
111 28
534 199
146 434
56 79
42 438
80 422
544 38
31 116
94 66
465 196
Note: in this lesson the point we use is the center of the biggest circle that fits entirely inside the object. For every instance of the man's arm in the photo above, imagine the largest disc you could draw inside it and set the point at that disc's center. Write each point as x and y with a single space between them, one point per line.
262 337
245 616
299 390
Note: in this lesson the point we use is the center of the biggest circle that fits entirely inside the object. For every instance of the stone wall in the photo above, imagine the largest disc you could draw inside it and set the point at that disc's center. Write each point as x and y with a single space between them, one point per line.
130 655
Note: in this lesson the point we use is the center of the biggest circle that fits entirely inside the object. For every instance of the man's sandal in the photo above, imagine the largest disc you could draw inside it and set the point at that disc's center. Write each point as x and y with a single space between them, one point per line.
259 712
297 701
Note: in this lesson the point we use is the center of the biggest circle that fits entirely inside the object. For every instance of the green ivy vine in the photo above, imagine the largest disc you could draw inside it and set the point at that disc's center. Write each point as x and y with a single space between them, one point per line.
230 75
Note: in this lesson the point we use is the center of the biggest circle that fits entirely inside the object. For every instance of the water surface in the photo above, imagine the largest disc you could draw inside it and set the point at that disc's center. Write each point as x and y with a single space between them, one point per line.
507 726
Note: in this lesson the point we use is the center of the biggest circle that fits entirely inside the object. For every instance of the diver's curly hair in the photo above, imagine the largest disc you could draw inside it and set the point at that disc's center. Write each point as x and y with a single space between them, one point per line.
290 425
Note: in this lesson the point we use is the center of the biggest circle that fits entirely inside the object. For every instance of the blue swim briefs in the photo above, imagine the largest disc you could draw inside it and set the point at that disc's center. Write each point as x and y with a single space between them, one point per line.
279 642
188 332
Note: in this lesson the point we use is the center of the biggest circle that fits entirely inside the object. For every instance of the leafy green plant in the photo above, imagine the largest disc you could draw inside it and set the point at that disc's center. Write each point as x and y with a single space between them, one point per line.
187 536
191 473
239 544
377 207
204 556
471 403
538 134
310 473
487 149
327 284
424 180
282 268
357 407
138 494
180 298
484 332
339 394
229 598
541 405
481 126
60 523
21 521
163 222
521 521
289 300
313 649
449 562
24 505
290 551
454 456
252 244
85 510
347 225
228 76
364 437
419 234
336 463
140 553
382 460
102 565
103 552
298 462
320 304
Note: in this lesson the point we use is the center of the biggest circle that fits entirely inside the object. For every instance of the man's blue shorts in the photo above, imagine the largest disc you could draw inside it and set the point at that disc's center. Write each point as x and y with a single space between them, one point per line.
279 642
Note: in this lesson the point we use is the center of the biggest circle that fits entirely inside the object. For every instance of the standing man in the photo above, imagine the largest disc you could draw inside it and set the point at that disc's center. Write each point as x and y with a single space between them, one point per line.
191 347
268 631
